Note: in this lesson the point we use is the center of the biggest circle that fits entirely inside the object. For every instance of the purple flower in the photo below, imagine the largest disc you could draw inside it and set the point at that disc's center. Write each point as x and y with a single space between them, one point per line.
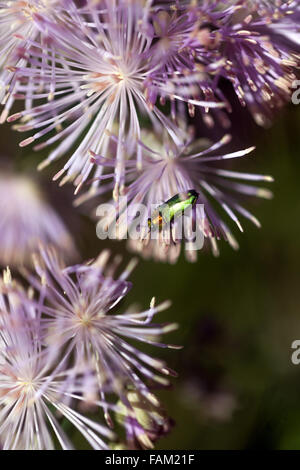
79 302
253 44
147 425
99 70
18 26
33 389
27 220
175 35
248 48
178 46
170 170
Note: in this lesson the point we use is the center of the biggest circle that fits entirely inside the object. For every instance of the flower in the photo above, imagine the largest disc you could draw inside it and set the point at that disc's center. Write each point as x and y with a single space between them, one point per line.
27 220
242 41
248 49
33 389
147 425
79 303
174 34
17 27
285 25
181 75
98 70
170 170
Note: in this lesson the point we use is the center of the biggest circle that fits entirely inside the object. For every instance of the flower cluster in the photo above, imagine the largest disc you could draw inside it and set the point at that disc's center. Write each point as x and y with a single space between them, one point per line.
102 68
63 344
112 88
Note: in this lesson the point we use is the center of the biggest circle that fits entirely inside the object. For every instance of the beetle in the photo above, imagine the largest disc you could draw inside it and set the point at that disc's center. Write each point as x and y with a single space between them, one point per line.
167 212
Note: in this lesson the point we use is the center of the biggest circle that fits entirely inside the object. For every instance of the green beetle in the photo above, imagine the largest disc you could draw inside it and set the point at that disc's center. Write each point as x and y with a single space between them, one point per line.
171 209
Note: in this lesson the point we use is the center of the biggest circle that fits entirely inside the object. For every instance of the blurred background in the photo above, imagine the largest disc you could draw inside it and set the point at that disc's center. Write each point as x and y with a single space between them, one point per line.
238 314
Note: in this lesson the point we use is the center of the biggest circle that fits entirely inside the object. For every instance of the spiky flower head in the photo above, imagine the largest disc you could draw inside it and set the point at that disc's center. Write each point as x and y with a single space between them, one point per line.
33 389
147 425
27 219
17 27
79 305
253 44
171 170
248 48
99 69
